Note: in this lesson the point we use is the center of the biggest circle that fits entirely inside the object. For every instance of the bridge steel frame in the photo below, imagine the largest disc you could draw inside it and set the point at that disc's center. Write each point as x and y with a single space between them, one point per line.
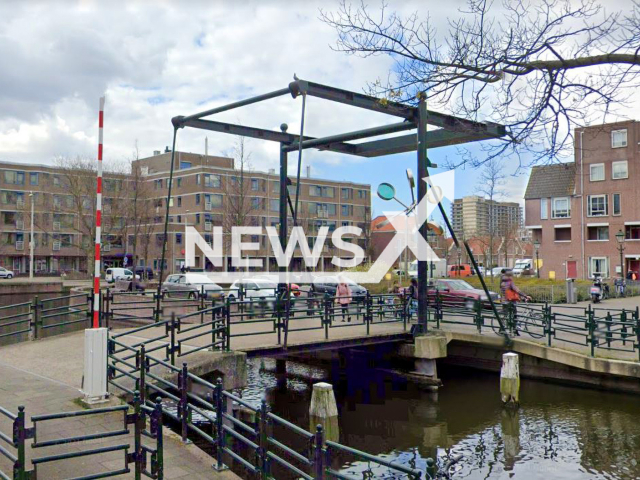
452 131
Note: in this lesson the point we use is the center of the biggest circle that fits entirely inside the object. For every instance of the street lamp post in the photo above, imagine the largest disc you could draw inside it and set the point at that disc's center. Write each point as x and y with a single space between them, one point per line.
31 242
536 246
620 239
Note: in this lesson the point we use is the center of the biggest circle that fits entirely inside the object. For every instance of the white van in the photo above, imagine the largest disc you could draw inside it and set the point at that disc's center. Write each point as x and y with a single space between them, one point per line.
435 269
524 266
114 274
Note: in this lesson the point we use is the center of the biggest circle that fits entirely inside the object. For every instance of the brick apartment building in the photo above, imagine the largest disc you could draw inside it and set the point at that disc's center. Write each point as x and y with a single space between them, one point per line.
475 216
64 205
575 210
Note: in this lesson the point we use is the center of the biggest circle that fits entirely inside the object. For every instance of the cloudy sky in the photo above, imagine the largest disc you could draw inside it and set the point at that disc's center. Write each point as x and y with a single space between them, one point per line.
157 59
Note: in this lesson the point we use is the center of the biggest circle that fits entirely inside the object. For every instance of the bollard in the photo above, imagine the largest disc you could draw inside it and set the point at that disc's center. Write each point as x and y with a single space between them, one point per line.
324 411
510 379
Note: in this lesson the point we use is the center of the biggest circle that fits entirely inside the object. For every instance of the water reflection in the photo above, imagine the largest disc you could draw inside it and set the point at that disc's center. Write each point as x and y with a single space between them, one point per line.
558 432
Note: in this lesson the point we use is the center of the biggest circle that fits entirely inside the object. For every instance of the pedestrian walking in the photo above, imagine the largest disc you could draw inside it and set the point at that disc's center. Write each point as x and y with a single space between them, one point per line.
343 297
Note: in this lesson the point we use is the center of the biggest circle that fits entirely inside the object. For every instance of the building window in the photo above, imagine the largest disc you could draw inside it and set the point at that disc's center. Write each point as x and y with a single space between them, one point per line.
617 207
184 165
179 184
560 208
347 210
214 200
211 180
562 234
179 201
197 219
544 208
597 172
320 191
598 205
597 233
198 179
178 239
632 232
197 199
13 177
347 193
619 170
255 184
362 194
599 266
179 218
33 179
619 138
274 205
56 180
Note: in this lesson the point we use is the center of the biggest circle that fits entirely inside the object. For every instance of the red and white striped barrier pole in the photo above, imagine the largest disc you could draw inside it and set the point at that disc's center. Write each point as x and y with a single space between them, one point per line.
96 276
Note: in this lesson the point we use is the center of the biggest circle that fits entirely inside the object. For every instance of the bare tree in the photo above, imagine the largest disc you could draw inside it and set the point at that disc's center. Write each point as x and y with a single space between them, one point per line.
140 211
489 186
242 200
540 68
75 209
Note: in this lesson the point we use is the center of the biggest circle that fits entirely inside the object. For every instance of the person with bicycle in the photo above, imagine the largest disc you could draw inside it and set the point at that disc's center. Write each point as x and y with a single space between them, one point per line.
511 294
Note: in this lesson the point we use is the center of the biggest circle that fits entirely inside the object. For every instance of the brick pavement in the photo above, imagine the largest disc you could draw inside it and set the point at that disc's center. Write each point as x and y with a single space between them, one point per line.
41 395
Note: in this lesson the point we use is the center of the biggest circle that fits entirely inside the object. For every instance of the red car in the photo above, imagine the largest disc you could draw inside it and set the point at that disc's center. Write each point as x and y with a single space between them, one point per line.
459 292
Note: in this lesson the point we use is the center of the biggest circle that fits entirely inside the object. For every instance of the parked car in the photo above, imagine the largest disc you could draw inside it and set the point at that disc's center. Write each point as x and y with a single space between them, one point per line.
130 285
192 285
459 292
294 288
4 273
497 271
114 273
254 289
463 270
329 284
145 272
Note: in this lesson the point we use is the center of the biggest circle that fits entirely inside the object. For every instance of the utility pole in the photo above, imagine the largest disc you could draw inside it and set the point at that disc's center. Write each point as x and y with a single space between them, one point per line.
31 240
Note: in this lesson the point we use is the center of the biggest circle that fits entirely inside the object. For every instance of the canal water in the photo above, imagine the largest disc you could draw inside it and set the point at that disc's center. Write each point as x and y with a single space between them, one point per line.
559 432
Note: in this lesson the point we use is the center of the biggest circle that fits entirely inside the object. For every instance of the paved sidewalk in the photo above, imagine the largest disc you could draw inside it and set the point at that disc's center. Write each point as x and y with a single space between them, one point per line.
41 395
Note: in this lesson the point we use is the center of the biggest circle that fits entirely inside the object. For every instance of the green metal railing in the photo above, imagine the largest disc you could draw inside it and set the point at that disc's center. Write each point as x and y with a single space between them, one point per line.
147 459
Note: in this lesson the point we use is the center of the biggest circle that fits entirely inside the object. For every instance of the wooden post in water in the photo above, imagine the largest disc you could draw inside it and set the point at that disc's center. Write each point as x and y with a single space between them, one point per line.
510 379
324 411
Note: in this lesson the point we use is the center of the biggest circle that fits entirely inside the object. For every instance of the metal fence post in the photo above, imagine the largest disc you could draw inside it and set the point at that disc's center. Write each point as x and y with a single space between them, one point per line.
624 332
636 317
183 405
327 315
318 467
608 321
263 433
220 441
227 321
173 338
139 455
201 303
439 312
107 307
368 313
35 318
19 436
591 326
141 363
548 322
157 465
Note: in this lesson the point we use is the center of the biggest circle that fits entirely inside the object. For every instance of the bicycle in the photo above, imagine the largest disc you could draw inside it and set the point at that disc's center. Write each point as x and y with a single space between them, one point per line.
524 319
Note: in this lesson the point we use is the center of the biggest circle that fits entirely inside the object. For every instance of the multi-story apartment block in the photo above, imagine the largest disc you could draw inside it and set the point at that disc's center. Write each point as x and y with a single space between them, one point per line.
207 191
577 211
210 191
476 216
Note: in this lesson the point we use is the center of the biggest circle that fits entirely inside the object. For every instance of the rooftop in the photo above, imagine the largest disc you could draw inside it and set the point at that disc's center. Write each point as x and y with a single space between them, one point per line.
551 181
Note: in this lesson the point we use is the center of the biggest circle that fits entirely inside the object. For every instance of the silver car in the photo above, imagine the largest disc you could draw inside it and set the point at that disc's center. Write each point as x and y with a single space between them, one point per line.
192 285
4 273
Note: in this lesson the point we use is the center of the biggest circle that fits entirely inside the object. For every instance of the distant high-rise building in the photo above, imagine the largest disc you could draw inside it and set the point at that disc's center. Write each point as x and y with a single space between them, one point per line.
477 216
